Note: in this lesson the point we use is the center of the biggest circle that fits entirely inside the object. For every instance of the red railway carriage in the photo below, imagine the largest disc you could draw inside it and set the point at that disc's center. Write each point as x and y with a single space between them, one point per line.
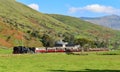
56 49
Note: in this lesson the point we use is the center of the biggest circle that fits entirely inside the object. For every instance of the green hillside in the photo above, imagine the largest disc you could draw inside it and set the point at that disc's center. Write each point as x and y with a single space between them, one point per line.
21 25
87 29
19 17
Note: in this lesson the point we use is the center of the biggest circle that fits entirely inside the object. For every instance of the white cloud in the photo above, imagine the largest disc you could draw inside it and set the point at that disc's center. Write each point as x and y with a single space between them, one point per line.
95 8
34 6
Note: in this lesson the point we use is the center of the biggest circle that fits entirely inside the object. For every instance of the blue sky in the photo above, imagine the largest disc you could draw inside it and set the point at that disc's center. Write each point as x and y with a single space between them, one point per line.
76 8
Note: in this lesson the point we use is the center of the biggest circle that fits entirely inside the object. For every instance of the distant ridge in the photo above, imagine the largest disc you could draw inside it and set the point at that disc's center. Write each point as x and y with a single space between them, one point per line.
111 21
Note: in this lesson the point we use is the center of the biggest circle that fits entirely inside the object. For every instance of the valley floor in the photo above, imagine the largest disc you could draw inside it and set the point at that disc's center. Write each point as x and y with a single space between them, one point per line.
59 62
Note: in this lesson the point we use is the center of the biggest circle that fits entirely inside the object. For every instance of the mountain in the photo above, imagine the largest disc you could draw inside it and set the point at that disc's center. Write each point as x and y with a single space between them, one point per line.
112 21
21 25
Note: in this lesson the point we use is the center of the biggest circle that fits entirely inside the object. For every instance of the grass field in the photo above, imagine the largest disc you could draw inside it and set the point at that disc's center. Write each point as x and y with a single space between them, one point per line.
59 62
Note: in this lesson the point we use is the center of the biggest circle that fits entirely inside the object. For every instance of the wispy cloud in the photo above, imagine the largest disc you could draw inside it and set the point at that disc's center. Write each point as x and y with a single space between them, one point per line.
95 8
34 6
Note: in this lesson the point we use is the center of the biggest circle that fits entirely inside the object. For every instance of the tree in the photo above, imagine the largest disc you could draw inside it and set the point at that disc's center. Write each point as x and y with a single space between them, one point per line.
101 43
116 44
84 43
48 41
68 37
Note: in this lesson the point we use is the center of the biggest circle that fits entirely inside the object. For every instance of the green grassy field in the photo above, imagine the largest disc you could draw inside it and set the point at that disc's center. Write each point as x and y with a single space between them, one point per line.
59 62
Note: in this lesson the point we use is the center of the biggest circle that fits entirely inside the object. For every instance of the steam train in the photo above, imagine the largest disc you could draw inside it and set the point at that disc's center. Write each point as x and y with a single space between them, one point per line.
23 50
